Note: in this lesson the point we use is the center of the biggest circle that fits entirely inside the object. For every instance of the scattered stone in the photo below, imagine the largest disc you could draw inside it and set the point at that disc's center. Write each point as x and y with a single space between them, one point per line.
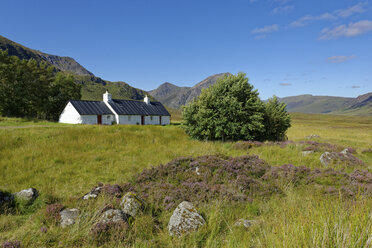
93 193
131 204
68 216
28 195
113 216
312 136
185 219
245 223
344 157
306 153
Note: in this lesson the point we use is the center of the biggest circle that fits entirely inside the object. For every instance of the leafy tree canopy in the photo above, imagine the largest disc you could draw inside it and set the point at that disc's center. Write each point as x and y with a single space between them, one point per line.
33 90
231 110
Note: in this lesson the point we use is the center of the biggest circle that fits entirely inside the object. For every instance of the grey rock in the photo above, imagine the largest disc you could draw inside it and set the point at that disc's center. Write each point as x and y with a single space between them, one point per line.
185 219
131 204
245 223
68 216
306 153
93 193
113 216
312 136
326 158
27 195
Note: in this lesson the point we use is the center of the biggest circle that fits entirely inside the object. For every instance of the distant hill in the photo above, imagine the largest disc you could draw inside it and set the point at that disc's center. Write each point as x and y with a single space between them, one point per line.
362 105
174 96
92 87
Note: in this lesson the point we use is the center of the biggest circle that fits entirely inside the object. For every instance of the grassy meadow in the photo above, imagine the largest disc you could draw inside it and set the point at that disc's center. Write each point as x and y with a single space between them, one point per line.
65 161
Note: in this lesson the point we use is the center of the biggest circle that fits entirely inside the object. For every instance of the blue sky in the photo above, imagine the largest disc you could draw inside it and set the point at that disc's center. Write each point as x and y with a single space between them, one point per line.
286 47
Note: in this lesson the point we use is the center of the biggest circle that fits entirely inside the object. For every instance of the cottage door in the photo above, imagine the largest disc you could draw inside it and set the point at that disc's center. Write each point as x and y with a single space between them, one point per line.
159 120
142 120
99 119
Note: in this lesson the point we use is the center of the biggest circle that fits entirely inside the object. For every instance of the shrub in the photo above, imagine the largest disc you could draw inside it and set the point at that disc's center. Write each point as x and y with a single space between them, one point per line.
228 110
52 212
276 120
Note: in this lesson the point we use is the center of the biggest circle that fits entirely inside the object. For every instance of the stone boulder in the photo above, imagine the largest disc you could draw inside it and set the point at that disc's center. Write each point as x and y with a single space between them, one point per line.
306 153
93 193
342 157
245 223
312 136
185 219
131 204
113 216
68 216
28 195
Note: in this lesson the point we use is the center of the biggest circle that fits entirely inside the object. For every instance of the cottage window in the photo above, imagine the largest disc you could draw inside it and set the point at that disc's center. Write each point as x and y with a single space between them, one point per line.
129 118
151 118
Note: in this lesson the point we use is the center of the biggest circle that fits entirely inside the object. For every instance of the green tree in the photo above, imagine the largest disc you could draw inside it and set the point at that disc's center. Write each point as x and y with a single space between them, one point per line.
228 110
276 119
62 89
33 90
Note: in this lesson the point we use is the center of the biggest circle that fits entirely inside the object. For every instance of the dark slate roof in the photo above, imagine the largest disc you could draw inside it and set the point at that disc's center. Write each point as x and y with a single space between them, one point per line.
91 107
132 107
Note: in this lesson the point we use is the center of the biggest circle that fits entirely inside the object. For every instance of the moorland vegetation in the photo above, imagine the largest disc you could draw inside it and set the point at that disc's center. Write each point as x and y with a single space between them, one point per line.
295 200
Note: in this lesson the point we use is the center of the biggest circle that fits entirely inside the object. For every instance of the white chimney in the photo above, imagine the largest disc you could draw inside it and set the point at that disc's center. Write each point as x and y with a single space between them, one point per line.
146 100
107 97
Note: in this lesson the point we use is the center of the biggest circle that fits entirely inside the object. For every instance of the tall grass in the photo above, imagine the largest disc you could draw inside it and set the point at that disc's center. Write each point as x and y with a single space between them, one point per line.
64 161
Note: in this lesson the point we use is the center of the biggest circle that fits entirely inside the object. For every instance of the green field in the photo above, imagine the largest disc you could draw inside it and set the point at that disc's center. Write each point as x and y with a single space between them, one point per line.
65 161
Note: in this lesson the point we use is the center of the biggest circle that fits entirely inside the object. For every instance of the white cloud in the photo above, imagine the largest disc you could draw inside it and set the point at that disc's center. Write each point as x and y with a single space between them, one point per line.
339 59
309 18
266 29
285 84
283 9
340 13
353 29
356 9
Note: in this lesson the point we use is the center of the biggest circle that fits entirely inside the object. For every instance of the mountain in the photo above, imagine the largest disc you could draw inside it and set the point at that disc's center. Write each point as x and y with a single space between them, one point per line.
92 87
174 96
361 105
315 104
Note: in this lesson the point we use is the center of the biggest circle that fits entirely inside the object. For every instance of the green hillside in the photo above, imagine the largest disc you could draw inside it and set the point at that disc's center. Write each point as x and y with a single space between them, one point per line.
92 87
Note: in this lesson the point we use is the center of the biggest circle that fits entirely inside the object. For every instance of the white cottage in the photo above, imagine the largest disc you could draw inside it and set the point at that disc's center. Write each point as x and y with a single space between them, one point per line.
111 111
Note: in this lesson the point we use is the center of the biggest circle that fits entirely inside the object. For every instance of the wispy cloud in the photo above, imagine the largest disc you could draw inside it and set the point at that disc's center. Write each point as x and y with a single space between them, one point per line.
351 30
355 87
340 13
356 9
285 84
266 29
339 59
310 18
283 9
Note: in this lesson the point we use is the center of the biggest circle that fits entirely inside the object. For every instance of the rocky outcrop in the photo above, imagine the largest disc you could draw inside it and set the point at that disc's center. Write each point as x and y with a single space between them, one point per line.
113 216
131 204
345 157
93 193
27 195
68 216
185 219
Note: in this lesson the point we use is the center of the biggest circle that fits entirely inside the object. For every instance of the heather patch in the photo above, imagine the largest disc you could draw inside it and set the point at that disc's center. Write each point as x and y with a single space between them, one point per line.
235 179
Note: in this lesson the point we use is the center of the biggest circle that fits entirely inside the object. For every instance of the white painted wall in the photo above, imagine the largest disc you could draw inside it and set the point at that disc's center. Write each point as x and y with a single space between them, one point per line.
152 120
70 115
165 120
129 119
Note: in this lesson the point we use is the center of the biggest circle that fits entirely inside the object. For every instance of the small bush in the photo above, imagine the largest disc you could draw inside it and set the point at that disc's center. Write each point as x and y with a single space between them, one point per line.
12 244
52 212
104 232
